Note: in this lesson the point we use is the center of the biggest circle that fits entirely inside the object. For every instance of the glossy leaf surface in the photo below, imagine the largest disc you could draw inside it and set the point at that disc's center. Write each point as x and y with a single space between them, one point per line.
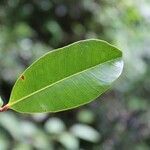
67 77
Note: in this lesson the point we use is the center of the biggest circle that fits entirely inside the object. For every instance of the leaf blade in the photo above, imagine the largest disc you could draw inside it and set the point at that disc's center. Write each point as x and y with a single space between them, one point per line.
73 79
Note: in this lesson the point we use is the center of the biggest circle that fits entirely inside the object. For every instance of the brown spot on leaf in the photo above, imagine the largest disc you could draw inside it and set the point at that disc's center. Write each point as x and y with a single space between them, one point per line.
22 77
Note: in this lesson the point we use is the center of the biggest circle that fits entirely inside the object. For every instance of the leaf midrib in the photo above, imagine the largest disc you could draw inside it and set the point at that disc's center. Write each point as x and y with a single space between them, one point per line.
46 87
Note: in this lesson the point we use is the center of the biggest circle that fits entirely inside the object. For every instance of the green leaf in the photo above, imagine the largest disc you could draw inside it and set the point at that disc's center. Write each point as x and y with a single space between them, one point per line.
67 77
85 132
69 141
54 126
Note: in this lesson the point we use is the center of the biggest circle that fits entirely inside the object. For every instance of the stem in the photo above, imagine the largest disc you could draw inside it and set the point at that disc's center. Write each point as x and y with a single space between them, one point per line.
4 108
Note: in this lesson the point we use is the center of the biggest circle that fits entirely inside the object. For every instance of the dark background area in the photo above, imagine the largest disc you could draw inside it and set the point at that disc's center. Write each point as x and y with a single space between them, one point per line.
120 118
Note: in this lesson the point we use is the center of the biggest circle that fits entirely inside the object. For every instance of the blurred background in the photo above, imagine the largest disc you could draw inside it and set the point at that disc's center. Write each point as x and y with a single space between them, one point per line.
120 118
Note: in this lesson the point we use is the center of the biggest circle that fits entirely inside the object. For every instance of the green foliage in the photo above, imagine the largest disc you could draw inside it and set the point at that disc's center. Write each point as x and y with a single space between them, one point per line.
67 77
55 130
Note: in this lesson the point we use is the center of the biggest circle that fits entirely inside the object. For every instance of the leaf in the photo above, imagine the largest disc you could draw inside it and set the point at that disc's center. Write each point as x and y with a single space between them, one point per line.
67 77
68 140
85 132
54 126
